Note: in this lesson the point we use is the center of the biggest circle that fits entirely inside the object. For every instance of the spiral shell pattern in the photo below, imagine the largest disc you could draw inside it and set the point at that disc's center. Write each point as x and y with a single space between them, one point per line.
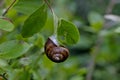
56 53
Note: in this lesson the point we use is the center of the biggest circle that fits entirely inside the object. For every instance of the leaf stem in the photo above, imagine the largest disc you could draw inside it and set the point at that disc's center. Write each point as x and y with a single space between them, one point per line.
9 8
55 18
46 1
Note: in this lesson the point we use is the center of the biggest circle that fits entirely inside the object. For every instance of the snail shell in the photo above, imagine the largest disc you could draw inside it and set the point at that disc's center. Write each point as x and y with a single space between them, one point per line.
56 53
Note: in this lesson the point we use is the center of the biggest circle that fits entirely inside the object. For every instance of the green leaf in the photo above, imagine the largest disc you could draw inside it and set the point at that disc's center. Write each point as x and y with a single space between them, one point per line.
6 25
96 21
67 33
27 6
40 41
13 49
18 74
35 22
77 77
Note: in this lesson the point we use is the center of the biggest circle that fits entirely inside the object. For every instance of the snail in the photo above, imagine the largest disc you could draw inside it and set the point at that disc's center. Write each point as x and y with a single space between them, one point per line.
55 52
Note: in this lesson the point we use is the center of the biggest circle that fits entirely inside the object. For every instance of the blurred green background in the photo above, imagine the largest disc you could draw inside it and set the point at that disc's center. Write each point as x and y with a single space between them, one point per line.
95 57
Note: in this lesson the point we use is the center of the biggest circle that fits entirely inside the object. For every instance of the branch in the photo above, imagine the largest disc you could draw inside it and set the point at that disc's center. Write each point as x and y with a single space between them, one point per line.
95 53
98 44
9 8
110 6
46 1
1 3
55 18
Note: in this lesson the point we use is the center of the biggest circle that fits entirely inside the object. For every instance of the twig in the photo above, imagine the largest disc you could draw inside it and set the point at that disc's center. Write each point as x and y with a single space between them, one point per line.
55 18
98 44
1 3
110 6
8 8
46 1
93 59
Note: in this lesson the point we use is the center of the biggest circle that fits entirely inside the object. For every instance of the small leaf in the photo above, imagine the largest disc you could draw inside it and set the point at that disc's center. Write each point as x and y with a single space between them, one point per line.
18 74
67 33
13 49
6 25
35 22
96 21
26 6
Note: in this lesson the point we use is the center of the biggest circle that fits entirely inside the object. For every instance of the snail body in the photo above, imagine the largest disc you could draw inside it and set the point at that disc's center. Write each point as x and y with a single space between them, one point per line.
55 52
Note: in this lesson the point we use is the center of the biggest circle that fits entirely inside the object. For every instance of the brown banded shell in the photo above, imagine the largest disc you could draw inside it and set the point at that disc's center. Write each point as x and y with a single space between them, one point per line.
56 53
